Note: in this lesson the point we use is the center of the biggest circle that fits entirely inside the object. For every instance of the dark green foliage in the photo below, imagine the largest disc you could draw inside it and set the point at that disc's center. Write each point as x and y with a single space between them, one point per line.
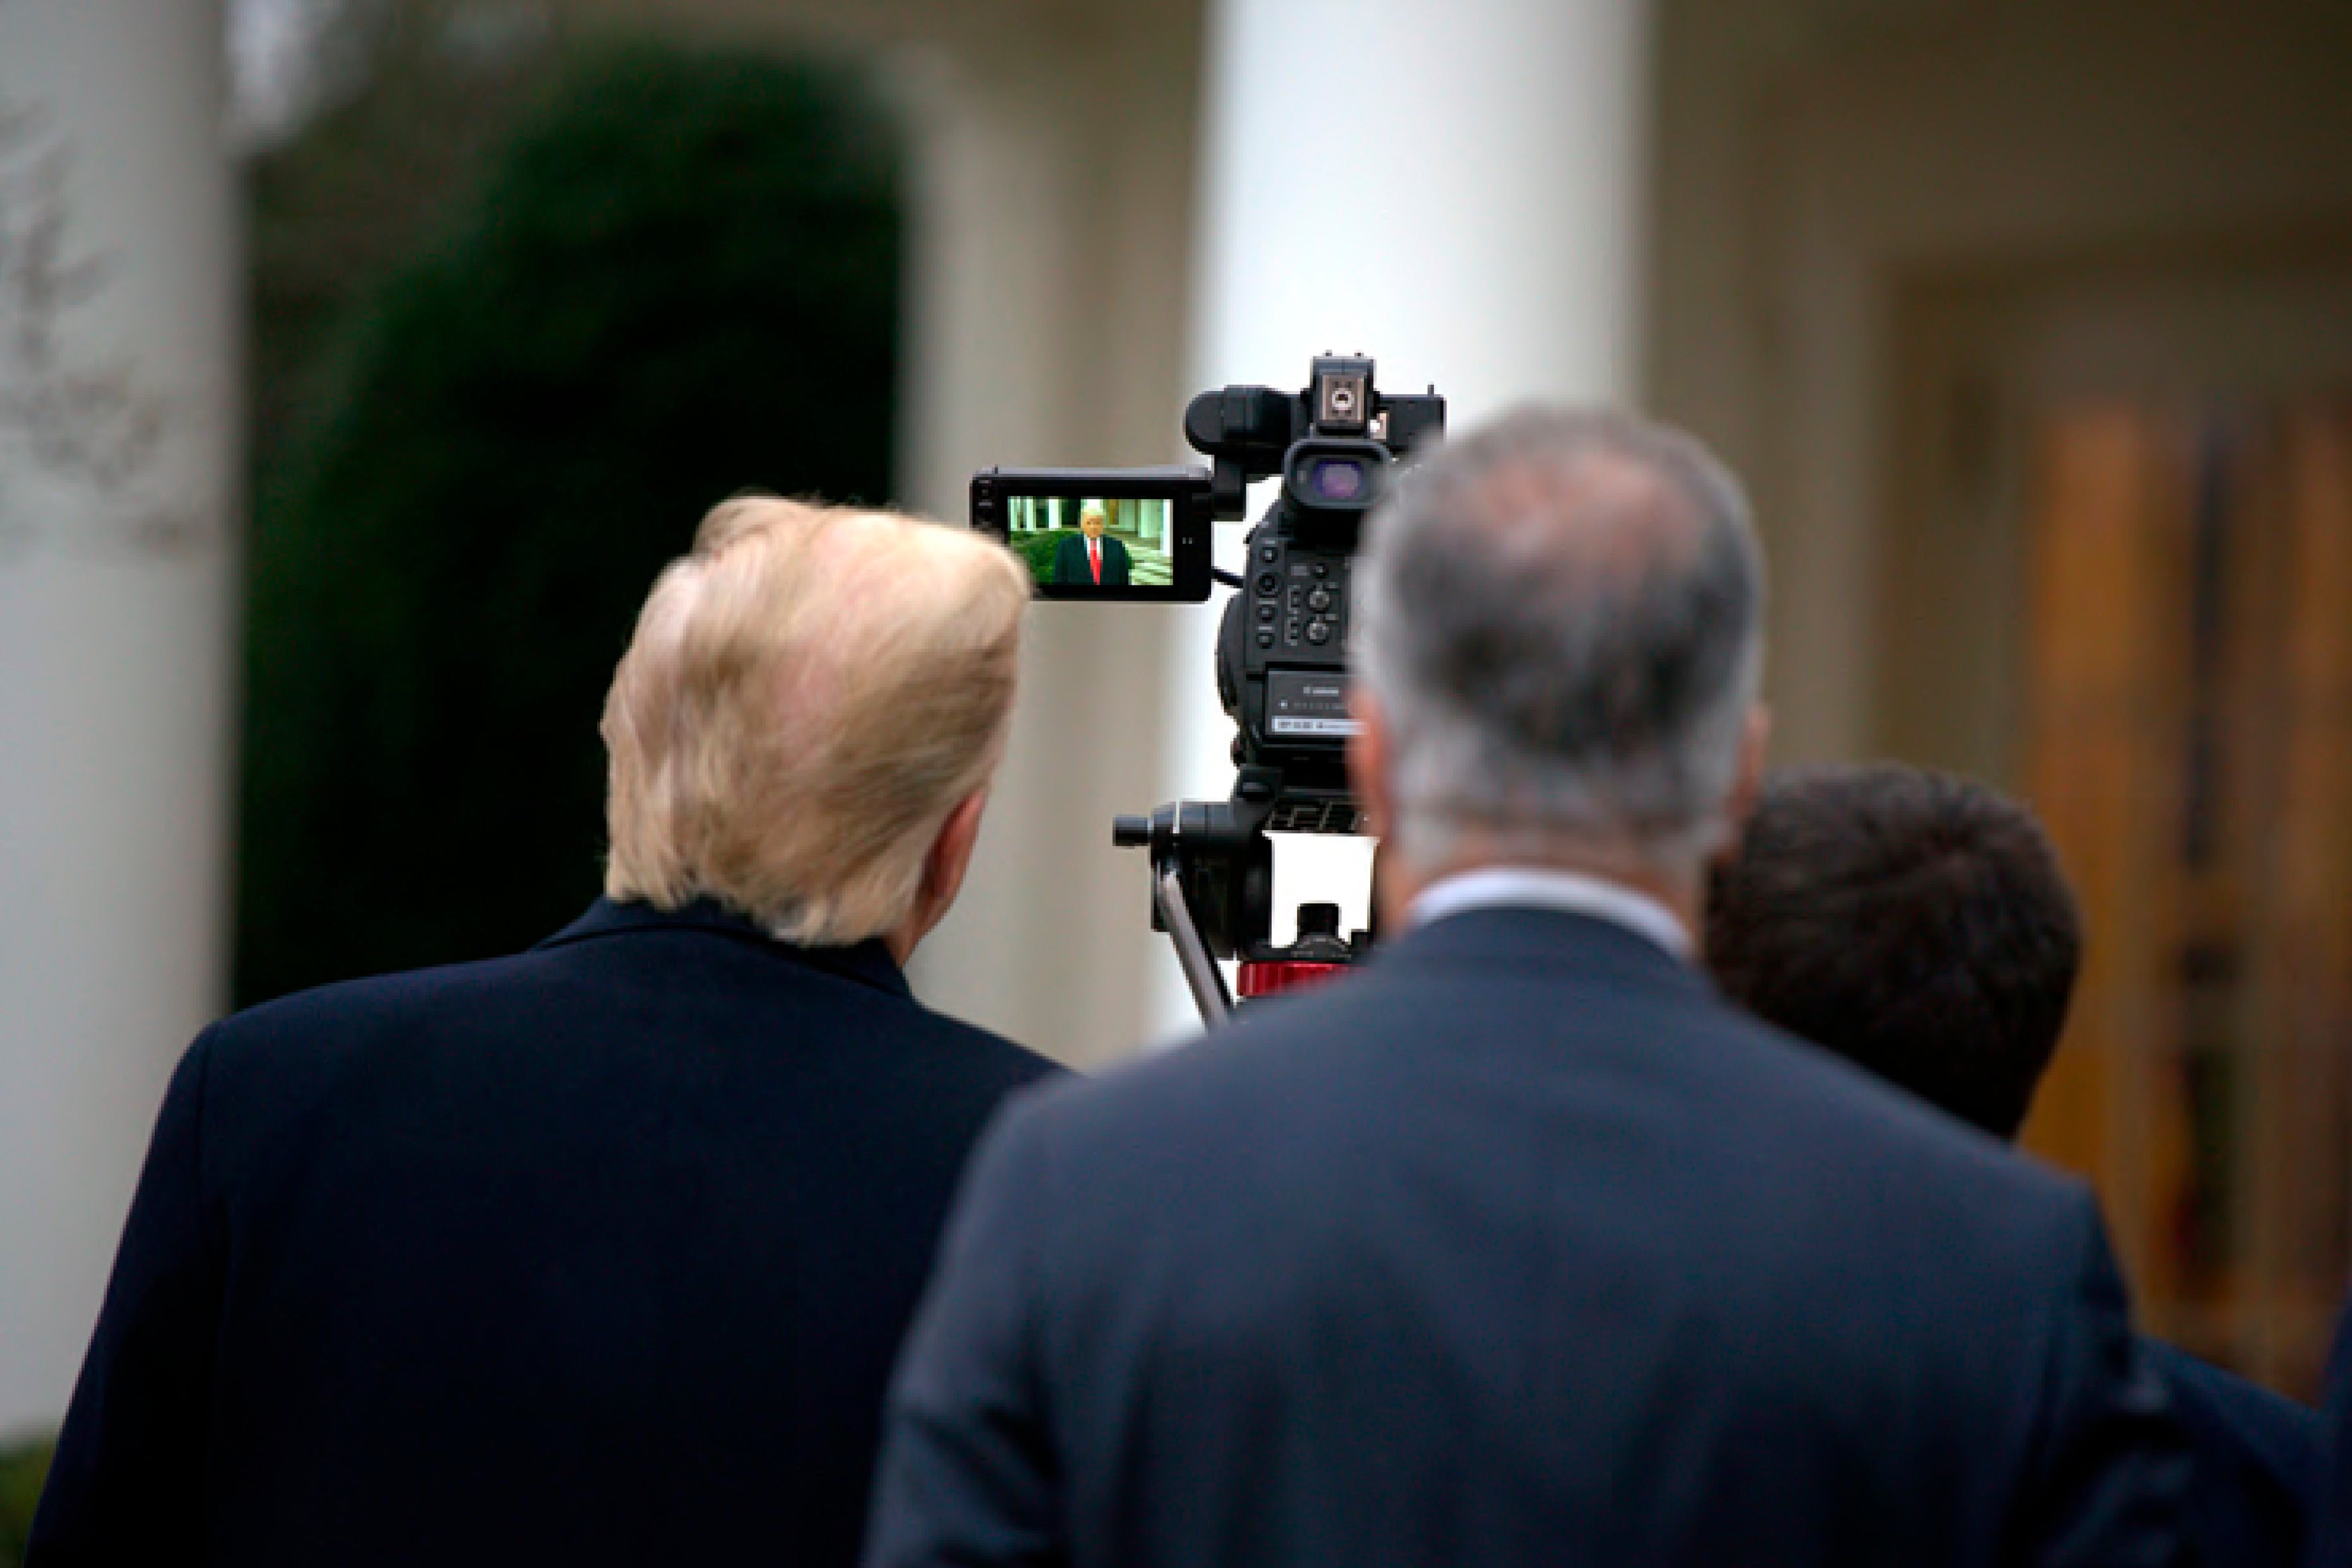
678 283
367 183
1037 549
22 1467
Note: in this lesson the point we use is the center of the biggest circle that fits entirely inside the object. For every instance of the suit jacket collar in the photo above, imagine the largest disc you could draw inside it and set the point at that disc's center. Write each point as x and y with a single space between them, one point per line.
868 963
1537 941
1549 887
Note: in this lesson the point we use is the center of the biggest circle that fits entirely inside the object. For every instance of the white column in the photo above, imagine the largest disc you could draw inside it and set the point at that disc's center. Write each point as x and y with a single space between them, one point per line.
118 333
1455 191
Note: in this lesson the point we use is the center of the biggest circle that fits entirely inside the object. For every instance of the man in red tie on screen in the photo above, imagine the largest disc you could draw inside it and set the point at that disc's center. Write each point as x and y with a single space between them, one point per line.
1091 557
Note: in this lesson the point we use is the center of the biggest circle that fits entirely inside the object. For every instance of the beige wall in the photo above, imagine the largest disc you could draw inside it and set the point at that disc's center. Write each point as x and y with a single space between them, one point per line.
1820 164
1980 358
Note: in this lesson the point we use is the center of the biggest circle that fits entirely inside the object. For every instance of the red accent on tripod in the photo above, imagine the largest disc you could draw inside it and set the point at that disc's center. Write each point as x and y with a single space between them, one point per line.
1273 978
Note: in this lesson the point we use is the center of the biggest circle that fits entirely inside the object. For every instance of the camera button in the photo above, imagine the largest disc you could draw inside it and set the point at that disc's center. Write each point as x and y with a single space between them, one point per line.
1319 601
1320 632
1322 569
1268 553
1268 582
1266 612
1265 637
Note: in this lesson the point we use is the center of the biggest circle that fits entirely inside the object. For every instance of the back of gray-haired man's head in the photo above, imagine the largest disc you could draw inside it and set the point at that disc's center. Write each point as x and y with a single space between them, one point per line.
1562 620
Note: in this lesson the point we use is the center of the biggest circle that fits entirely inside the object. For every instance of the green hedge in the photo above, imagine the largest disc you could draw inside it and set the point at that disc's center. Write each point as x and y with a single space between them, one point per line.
678 281
1038 549
22 1467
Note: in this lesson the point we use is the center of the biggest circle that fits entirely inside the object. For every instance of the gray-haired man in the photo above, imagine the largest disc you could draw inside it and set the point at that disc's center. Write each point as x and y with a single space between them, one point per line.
1521 1246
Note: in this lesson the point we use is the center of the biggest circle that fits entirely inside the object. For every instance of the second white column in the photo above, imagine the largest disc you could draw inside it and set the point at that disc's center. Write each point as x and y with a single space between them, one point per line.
1456 192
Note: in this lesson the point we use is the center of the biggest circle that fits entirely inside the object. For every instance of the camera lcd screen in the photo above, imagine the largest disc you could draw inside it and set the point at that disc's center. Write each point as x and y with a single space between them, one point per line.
1101 534
1094 541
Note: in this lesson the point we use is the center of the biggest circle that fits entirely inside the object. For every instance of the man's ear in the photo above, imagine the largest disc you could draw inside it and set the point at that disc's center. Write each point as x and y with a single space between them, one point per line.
1747 786
951 855
1368 757
1395 878
944 864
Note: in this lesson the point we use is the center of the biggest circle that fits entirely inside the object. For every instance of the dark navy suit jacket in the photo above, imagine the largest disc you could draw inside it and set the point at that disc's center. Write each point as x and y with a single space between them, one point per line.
1516 1247
2330 1542
1070 562
2257 1461
599 1254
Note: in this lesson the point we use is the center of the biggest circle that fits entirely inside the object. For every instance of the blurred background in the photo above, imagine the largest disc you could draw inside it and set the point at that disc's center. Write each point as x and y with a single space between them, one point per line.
361 361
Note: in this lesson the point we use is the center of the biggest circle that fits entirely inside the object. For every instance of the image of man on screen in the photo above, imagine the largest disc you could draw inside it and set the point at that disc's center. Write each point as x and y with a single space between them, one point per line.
1091 557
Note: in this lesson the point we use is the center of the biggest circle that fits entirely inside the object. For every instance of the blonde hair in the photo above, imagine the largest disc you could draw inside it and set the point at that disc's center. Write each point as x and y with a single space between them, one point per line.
806 698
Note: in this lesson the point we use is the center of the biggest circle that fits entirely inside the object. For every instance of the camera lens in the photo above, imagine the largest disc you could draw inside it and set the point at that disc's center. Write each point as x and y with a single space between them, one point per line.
1337 479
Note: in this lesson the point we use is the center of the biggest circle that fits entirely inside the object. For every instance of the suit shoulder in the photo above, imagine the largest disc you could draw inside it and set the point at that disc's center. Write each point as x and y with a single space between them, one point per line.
281 1058
1276 1065
1012 1064
526 985
2284 1433
1821 1136
345 1005
1849 1116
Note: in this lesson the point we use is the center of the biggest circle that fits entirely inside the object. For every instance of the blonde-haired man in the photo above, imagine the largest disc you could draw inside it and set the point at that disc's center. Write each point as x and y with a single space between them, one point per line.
805 724
601 1253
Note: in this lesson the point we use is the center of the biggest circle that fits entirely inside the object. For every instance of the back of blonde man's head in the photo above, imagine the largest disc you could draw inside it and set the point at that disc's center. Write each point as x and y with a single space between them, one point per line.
808 696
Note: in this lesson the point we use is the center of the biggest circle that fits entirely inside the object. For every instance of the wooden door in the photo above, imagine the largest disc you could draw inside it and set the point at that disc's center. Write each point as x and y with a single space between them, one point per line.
2189 740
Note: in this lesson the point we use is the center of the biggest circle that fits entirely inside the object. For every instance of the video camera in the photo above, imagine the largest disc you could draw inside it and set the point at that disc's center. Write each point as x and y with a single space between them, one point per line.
1144 533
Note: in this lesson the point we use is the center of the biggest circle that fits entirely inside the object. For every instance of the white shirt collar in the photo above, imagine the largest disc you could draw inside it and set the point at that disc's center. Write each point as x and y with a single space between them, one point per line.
1570 892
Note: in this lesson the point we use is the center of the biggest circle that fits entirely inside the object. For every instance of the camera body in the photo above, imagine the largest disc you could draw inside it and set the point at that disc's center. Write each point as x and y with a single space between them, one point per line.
1282 647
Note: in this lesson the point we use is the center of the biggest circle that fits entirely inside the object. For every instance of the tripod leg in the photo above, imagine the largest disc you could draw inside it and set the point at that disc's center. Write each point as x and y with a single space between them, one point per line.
1200 972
